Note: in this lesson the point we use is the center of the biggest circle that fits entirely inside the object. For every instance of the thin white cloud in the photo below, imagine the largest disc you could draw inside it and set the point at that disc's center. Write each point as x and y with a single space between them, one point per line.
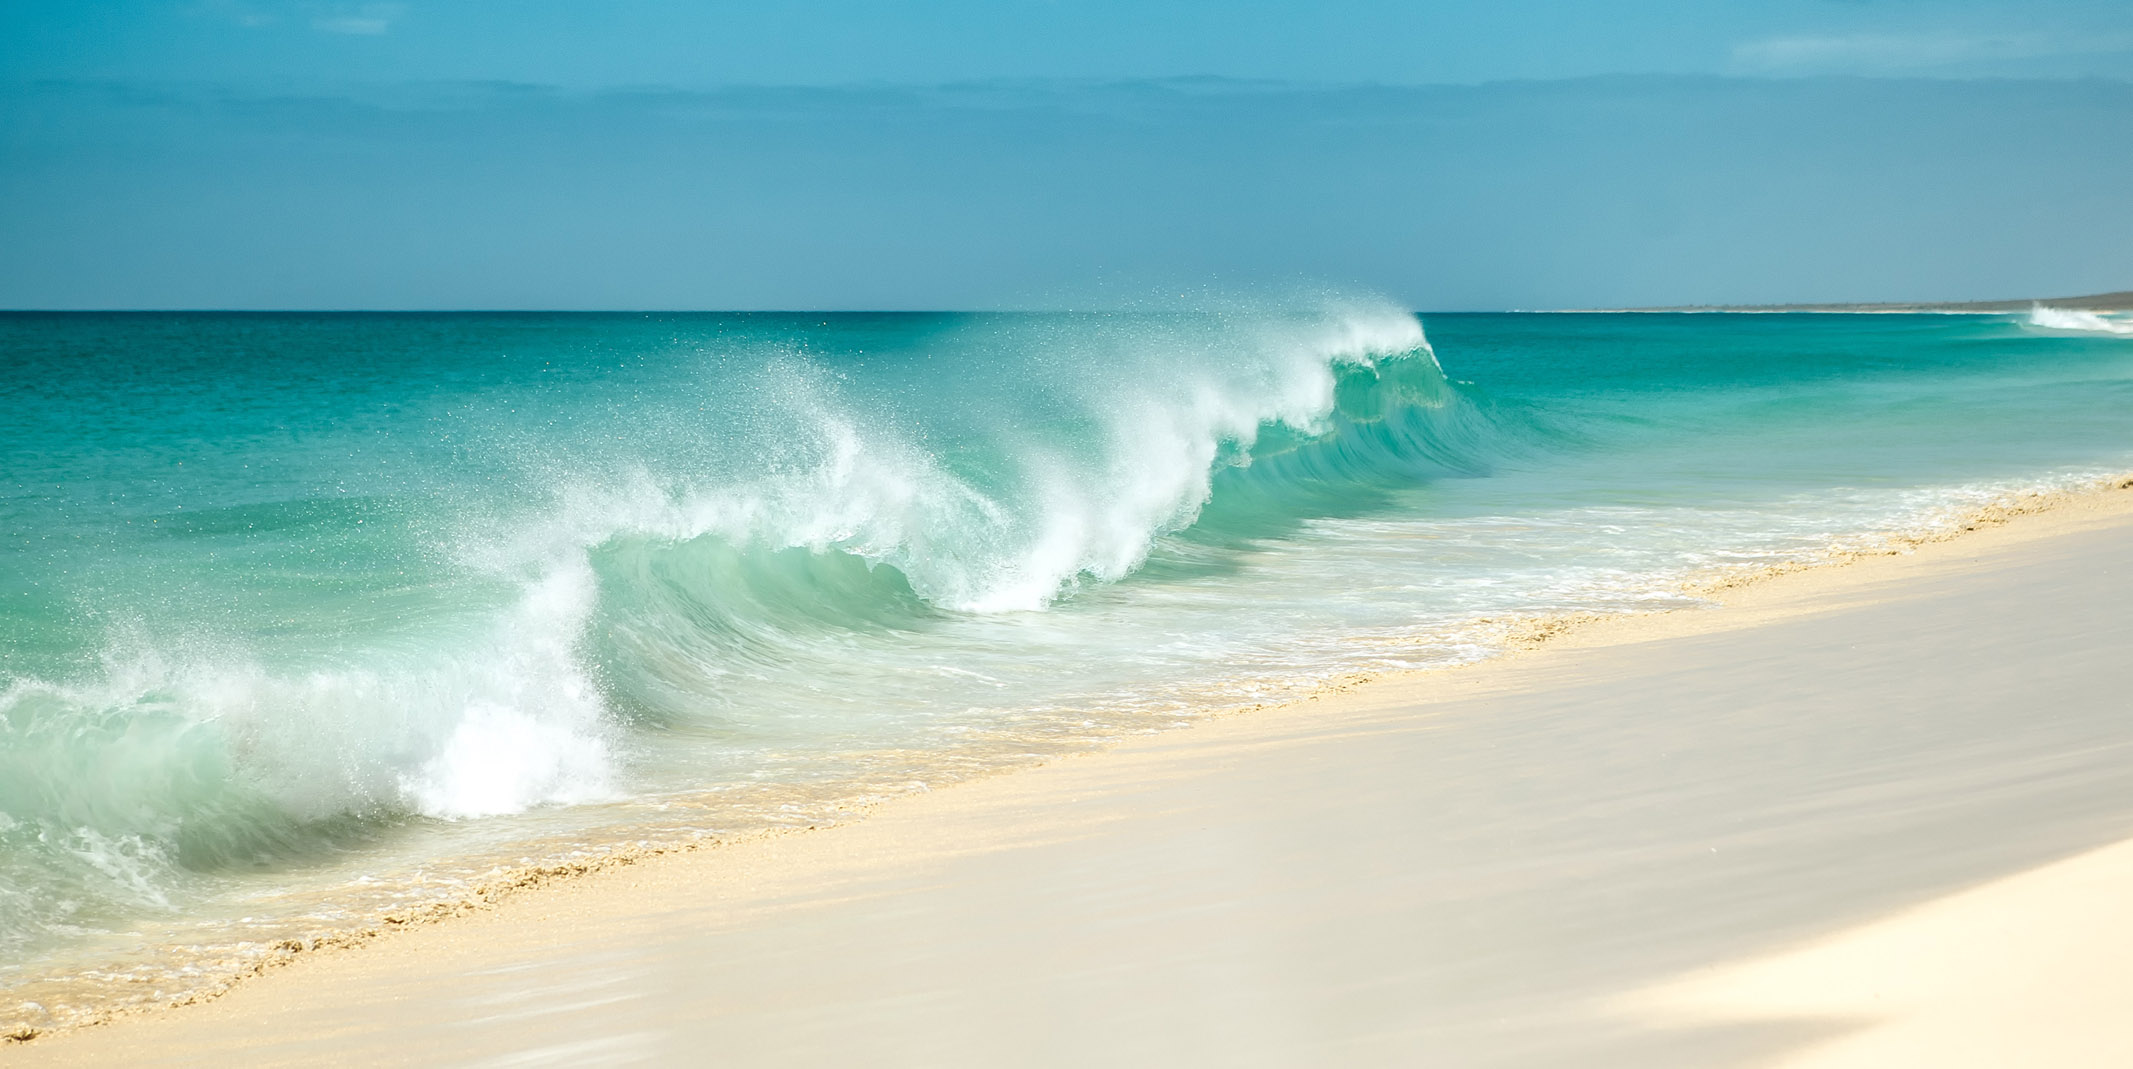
367 20
1896 53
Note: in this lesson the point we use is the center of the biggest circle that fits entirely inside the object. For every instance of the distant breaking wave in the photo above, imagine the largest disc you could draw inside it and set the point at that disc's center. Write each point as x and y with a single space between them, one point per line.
2074 319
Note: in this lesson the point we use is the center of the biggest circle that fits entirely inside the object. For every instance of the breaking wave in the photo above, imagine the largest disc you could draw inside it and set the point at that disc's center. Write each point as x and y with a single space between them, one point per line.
686 558
2074 319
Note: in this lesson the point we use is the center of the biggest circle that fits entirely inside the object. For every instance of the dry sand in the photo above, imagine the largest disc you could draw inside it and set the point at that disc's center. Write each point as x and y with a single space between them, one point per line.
1860 815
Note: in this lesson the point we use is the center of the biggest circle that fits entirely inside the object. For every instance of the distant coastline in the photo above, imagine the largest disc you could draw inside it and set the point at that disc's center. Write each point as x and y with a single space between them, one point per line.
2119 301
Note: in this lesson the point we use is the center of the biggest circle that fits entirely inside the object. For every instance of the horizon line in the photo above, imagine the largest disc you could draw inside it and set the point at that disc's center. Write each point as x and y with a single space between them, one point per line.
2117 300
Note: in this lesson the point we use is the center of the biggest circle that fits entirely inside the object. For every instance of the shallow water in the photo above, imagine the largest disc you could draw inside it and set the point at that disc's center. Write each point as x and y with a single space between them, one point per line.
305 617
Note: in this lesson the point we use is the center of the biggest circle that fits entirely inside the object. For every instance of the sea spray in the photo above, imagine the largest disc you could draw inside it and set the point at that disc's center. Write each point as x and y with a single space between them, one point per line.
408 630
2074 319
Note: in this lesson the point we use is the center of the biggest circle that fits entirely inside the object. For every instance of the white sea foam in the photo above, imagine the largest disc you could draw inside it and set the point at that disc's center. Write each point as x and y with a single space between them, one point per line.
494 720
500 760
2074 319
136 869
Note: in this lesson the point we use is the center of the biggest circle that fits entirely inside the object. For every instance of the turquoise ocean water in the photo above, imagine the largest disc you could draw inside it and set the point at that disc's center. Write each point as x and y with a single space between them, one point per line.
308 617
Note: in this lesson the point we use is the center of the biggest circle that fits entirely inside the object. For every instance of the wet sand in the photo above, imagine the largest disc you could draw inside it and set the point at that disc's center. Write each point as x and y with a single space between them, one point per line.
1865 813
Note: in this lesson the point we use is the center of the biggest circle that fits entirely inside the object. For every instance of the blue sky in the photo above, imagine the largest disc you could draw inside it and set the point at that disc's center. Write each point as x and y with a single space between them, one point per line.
638 154
720 42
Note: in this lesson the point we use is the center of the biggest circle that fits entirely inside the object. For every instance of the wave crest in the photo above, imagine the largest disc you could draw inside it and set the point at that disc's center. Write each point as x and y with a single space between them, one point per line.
2074 319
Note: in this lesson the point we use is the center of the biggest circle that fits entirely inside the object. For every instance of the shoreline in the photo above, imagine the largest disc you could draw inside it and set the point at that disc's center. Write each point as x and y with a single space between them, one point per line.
1742 600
